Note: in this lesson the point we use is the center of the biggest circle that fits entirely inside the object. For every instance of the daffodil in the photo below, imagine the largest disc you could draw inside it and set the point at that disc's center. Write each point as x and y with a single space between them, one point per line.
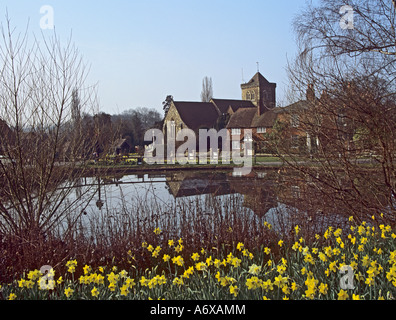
234 290
187 273
236 262
280 281
200 266
253 283
123 274
95 292
112 286
178 281
343 295
178 260
21 283
71 265
68 292
124 290
87 269
254 269
12 296
323 288
195 256
280 243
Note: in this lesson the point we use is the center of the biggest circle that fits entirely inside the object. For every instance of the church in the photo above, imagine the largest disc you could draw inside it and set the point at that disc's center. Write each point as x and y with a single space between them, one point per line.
256 111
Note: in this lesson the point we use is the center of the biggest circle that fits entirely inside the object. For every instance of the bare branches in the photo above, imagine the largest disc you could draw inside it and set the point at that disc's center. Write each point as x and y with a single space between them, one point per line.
350 125
39 78
207 89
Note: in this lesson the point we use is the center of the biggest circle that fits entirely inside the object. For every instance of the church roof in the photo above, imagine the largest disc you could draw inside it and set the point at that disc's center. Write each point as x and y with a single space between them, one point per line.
197 114
224 104
257 80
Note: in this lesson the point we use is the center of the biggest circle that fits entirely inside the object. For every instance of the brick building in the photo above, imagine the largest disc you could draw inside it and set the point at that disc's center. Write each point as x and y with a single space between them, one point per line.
256 111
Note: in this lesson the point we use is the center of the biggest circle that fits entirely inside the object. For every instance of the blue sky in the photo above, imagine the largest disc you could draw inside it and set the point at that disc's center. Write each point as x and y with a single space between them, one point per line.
141 51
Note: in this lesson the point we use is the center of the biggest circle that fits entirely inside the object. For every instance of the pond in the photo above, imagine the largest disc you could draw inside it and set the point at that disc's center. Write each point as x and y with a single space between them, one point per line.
167 199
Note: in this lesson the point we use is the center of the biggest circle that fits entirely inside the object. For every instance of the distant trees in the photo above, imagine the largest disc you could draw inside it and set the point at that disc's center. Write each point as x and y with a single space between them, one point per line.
207 89
133 123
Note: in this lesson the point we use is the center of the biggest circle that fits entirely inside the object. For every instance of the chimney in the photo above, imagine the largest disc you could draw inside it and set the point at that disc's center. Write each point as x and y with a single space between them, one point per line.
310 95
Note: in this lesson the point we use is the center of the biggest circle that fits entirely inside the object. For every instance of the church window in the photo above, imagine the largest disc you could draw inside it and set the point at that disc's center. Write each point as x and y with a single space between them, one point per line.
235 131
253 96
248 97
171 128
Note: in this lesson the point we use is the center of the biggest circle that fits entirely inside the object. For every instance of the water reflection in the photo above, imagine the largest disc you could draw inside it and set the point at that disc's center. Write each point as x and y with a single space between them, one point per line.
257 188
281 197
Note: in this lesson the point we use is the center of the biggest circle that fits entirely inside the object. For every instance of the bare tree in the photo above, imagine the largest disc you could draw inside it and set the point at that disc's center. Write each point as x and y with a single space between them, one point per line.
347 127
207 89
38 106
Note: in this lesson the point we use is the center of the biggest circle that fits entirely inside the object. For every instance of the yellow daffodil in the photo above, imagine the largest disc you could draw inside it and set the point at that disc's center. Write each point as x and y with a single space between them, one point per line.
68 292
87 269
343 295
234 290
124 290
12 296
254 269
178 281
195 256
95 292
280 243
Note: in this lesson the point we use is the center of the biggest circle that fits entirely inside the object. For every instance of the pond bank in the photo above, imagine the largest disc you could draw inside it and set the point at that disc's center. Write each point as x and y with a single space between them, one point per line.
170 168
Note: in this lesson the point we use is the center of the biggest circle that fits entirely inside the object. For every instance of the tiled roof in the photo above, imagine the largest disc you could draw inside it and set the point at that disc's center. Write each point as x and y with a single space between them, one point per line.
258 78
242 118
224 104
197 114
248 118
266 120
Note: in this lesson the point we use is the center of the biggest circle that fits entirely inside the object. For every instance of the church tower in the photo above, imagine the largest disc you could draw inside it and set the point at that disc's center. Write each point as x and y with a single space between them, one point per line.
261 92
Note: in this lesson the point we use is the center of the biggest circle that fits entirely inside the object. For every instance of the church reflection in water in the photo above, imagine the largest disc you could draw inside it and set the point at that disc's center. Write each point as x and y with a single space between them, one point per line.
258 188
